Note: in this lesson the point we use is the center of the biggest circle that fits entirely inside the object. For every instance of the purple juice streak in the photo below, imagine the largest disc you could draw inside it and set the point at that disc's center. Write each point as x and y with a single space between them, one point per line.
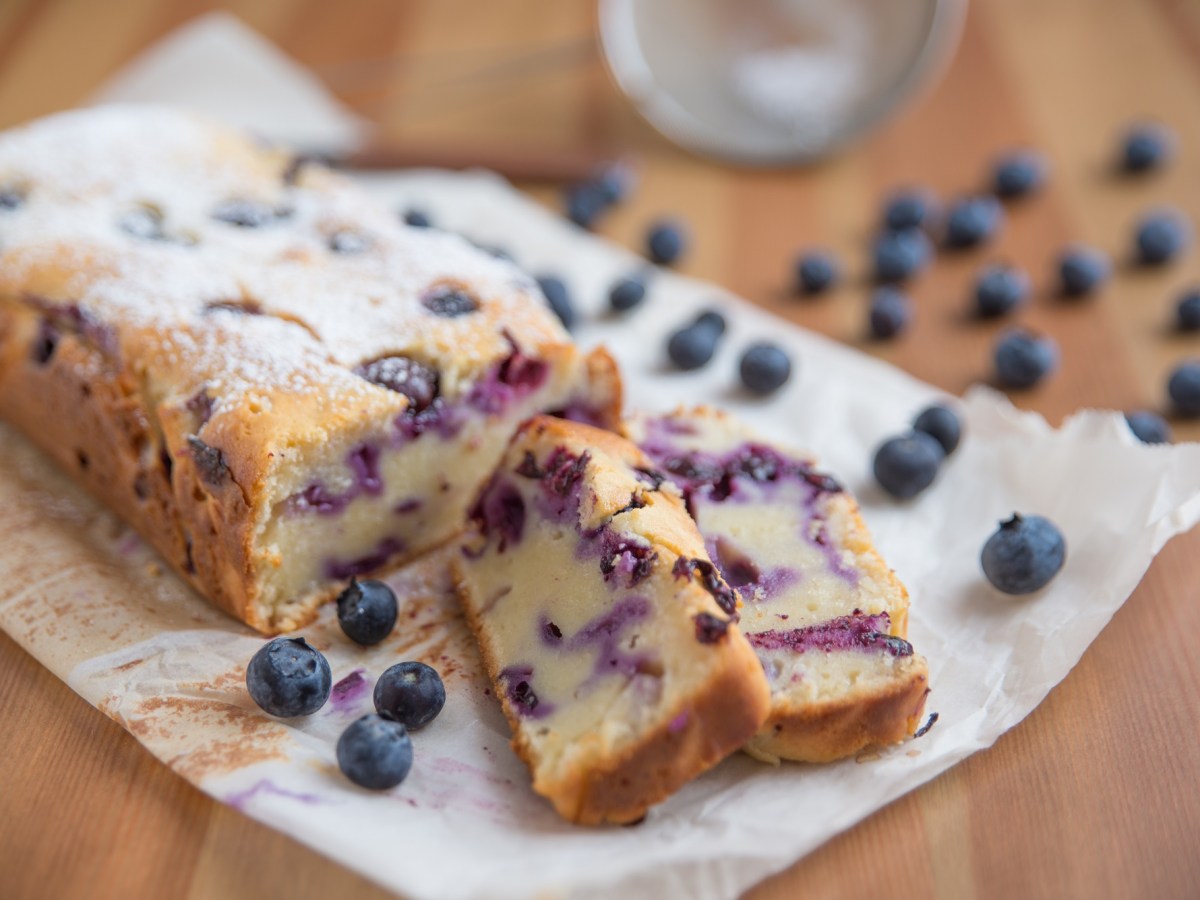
444 418
605 634
678 723
363 462
737 568
513 378
518 688
239 799
412 504
853 632
500 510
387 548
347 692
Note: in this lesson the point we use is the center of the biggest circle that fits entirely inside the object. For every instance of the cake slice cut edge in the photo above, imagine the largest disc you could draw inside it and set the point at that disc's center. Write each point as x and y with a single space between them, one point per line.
826 615
609 637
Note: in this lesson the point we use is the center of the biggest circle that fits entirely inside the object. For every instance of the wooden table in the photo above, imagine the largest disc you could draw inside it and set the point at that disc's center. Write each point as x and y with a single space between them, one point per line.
1095 795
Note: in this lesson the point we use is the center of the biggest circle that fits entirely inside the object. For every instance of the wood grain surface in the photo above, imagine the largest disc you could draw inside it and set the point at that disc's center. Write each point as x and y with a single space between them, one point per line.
1095 794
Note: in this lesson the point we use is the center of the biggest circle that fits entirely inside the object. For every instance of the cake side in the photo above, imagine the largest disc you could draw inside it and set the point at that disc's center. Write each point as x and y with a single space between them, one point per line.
277 383
826 615
610 639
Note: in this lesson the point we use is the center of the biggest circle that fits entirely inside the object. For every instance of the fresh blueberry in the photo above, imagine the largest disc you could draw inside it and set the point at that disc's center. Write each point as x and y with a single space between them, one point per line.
627 293
1000 289
1082 270
412 693
692 346
1160 236
287 677
890 313
666 241
449 302
1183 388
1019 174
615 182
712 320
973 220
911 208
765 368
942 424
906 465
584 204
366 611
555 291
1187 311
816 272
417 218
375 752
1148 426
1023 555
10 197
1145 147
899 255
1024 358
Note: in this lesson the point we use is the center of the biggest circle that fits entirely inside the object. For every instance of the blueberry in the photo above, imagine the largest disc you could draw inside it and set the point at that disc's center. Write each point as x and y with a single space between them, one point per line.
899 255
1019 174
666 241
555 291
287 677
417 218
11 197
692 346
627 293
1183 388
375 752
412 693
349 242
1000 289
972 221
1082 270
1145 147
889 314
144 223
449 302
816 272
1148 426
911 208
366 611
906 465
942 424
1187 311
249 213
1024 358
765 368
1160 236
584 203
1023 555
615 182
712 320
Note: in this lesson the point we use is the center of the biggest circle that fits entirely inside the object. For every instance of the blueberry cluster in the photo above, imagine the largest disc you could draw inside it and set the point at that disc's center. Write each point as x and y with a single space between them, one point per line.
288 677
907 464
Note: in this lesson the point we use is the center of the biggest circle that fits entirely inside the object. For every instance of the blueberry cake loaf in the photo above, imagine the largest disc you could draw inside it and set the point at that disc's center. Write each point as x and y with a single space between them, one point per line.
825 614
610 638
275 381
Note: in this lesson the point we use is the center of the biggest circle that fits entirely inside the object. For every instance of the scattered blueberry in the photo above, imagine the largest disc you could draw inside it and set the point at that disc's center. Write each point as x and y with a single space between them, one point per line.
1160 236
1024 358
889 314
1082 270
412 693
1023 555
666 241
816 272
375 752
765 368
1148 426
417 218
366 611
973 220
899 255
287 677
906 465
942 424
627 293
1019 174
999 290
712 320
691 347
1145 147
11 196
910 208
615 182
1187 311
1183 388
555 291
584 204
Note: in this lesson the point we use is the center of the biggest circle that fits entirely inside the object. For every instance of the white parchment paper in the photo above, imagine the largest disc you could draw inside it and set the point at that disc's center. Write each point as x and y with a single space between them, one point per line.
87 598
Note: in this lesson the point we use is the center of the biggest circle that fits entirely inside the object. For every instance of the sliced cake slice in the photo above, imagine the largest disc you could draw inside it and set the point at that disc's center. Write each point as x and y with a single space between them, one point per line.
825 614
609 635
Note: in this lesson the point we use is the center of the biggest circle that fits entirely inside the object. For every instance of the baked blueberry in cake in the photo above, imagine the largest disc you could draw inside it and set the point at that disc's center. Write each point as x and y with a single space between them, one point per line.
823 611
610 637
278 383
